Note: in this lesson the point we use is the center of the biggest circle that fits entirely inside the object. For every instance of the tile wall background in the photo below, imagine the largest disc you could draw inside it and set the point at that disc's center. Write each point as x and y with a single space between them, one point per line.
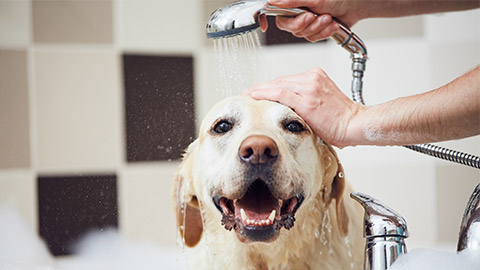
98 98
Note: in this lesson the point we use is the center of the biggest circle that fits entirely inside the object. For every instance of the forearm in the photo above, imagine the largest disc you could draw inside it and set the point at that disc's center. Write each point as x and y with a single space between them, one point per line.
398 8
449 112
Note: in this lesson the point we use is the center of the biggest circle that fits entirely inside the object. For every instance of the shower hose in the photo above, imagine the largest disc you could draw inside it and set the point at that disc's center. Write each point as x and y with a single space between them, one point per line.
358 68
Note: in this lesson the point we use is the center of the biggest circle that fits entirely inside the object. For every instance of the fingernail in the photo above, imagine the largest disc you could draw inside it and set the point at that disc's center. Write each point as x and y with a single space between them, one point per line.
309 18
253 93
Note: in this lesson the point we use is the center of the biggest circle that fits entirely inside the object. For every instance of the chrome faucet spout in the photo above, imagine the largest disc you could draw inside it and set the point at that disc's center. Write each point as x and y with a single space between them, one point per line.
385 232
469 236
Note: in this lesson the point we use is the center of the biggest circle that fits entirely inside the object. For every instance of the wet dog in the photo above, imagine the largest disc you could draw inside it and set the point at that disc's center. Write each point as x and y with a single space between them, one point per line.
259 190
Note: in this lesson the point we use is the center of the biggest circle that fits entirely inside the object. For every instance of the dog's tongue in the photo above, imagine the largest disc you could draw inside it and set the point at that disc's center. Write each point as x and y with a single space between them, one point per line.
257 203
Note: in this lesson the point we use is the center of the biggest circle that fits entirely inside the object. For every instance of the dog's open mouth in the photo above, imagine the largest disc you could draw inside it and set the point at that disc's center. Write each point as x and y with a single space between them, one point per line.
258 215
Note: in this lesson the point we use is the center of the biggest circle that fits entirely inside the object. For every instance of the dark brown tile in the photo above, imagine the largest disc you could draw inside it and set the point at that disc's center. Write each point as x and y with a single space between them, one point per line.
159 106
70 206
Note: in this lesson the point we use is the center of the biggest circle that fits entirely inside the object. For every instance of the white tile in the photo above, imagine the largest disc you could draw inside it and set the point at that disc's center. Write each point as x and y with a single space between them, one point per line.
78 116
160 25
15 22
396 69
407 189
453 59
146 209
452 27
206 94
454 185
392 28
18 190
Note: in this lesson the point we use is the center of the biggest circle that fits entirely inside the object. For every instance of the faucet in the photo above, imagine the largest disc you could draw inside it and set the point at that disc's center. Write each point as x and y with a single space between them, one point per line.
385 232
469 236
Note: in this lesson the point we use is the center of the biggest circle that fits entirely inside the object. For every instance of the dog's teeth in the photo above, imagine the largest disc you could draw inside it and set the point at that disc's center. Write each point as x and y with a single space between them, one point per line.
272 215
243 214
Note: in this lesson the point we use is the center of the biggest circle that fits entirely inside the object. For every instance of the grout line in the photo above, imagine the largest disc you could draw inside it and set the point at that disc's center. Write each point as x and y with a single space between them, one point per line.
32 112
117 28
117 37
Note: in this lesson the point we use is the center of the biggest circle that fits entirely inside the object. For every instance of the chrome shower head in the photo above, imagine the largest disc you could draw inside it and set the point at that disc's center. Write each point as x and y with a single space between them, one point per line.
242 17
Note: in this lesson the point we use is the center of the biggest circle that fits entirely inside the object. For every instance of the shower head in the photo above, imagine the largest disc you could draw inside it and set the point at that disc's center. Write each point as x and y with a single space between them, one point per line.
242 17
234 19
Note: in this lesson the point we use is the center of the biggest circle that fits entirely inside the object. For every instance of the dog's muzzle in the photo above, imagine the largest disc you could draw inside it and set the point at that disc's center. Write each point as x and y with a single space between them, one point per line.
256 214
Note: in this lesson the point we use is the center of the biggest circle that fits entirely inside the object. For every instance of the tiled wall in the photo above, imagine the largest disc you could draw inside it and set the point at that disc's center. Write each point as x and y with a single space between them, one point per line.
98 99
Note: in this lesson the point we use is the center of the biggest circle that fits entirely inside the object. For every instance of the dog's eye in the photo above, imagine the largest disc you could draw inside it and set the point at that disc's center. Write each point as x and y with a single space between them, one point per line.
222 127
294 126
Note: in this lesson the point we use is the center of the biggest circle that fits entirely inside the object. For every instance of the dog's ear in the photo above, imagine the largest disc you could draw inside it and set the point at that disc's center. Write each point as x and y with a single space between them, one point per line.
334 188
189 219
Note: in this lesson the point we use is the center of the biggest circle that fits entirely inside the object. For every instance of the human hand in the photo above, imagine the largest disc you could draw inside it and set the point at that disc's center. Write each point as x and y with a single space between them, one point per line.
318 24
318 100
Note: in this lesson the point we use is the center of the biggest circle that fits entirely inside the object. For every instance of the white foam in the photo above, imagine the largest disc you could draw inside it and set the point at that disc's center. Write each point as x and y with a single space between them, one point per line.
109 250
427 259
21 249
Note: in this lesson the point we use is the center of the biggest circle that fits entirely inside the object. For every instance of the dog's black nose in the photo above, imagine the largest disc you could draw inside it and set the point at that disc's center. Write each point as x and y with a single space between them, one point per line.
258 150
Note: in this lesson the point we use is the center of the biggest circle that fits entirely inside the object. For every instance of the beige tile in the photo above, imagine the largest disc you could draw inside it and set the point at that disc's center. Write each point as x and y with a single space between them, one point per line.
72 21
454 184
14 22
14 102
405 27
146 209
18 191
78 110
171 25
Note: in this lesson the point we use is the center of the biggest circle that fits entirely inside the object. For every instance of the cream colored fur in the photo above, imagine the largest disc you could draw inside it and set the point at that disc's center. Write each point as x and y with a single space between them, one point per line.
328 230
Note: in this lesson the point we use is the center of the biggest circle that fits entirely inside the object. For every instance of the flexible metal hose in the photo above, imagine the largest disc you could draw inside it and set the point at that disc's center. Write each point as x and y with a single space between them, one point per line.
447 154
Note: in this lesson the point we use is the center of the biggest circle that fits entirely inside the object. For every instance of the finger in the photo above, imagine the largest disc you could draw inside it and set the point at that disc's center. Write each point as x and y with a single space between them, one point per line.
282 96
263 23
325 33
293 83
317 26
296 24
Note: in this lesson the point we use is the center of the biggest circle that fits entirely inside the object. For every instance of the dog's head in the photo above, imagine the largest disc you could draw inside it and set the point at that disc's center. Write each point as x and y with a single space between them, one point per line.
252 168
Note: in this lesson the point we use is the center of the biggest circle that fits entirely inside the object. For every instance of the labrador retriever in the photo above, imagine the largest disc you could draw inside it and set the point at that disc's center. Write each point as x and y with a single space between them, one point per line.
259 190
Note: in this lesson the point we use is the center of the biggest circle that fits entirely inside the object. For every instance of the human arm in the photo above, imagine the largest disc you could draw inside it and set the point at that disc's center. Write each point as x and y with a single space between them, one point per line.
318 24
449 112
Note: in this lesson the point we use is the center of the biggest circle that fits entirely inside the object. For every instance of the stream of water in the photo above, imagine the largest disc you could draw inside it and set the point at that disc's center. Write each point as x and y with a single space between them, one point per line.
239 63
